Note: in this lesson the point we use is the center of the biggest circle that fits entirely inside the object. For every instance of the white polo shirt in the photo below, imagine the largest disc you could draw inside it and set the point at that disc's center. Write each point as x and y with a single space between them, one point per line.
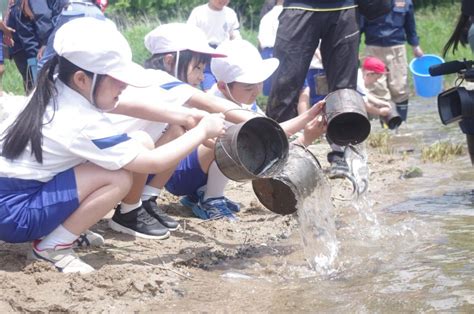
73 134
219 26
166 91
268 27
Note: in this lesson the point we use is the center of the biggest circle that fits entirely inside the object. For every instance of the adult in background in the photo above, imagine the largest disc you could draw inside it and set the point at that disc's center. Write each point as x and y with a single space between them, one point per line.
385 39
303 23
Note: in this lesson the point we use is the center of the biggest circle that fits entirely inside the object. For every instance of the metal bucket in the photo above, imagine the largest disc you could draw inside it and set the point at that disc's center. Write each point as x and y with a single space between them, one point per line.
297 181
393 119
257 148
347 117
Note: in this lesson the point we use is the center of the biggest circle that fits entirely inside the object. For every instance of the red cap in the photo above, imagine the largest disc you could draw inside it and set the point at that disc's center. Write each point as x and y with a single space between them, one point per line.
375 65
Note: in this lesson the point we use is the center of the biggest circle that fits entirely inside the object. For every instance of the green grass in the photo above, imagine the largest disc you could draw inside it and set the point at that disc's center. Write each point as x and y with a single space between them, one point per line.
434 28
441 151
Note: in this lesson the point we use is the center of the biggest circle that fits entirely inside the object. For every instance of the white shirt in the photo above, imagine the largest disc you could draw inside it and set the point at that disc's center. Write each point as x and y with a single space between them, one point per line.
268 27
218 26
75 133
361 85
166 90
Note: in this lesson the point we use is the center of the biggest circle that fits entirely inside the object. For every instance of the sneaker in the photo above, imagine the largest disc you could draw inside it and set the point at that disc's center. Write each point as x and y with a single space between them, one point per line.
152 208
214 208
138 223
192 200
339 167
88 238
189 201
64 259
233 206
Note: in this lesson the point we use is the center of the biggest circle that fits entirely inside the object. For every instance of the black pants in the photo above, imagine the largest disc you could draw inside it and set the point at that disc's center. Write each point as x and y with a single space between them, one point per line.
298 36
21 62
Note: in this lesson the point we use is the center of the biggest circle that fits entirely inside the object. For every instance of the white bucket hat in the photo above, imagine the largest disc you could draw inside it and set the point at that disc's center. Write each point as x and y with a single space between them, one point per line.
97 46
243 63
175 37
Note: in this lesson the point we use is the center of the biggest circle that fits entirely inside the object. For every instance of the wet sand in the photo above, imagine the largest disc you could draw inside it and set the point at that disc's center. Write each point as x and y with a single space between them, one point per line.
133 274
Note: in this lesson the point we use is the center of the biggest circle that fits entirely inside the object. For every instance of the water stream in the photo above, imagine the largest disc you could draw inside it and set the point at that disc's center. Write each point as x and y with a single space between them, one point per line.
412 253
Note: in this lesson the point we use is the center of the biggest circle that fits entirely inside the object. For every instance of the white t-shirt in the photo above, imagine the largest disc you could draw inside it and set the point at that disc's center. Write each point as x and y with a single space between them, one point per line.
75 133
268 27
361 85
219 26
166 90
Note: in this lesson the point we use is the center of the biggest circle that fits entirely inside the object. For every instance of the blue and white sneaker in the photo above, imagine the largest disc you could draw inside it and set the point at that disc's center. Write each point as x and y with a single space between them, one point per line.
192 200
214 208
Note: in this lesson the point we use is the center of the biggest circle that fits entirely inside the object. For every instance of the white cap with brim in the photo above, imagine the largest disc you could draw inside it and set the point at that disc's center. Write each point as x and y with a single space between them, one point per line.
243 63
175 37
98 47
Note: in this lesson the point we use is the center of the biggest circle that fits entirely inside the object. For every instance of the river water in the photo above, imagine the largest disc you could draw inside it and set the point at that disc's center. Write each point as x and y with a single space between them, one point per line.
414 252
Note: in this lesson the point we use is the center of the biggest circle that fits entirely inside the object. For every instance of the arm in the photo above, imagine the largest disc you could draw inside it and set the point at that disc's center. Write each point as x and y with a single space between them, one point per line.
296 124
410 31
209 103
165 156
183 116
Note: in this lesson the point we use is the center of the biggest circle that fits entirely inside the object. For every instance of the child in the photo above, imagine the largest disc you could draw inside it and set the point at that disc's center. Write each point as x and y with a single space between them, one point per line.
219 23
372 69
239 78
192 176
59 173
181 50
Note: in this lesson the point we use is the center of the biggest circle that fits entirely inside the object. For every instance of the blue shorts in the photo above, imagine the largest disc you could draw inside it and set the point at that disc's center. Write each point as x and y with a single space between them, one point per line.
188 176
31 209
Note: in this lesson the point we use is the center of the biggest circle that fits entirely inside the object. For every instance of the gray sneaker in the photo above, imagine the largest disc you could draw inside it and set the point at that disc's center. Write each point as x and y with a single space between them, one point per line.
65 260
88 238
339 167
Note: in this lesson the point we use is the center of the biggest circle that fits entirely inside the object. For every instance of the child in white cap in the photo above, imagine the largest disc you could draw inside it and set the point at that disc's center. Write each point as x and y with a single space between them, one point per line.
179 55
63 164
219 23
239 79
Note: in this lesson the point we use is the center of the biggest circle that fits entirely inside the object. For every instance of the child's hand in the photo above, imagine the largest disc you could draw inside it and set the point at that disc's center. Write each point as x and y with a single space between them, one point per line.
194 116
213 125
384 111
316 109
313 129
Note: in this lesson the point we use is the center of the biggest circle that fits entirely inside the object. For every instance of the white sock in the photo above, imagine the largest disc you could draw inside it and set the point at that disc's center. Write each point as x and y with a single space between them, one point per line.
150 191
216 182
60 237
126 208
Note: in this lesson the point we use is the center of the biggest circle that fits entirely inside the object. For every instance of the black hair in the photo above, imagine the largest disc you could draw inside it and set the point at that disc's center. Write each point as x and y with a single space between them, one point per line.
459 34
156 62
27 127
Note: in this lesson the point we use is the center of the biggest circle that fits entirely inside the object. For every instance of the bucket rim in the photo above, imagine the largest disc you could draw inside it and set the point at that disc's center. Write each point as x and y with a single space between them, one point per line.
412 62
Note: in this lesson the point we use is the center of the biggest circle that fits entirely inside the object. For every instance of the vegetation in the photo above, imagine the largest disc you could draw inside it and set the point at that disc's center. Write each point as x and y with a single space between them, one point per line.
441 151
435 22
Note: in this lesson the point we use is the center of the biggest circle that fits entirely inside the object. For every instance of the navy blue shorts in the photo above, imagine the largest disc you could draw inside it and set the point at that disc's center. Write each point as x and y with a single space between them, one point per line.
31 209
188 176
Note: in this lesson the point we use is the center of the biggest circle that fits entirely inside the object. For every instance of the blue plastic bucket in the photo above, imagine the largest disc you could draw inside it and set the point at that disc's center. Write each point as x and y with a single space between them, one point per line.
425 84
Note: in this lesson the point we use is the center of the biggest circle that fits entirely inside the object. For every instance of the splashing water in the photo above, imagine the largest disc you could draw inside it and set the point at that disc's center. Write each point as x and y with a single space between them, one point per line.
317 227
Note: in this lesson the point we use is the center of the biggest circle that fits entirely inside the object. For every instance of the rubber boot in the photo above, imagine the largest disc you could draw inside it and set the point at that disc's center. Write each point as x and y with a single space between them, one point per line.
402 108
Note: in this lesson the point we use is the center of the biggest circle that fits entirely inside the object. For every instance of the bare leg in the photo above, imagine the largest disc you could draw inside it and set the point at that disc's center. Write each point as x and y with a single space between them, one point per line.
99 190
160 179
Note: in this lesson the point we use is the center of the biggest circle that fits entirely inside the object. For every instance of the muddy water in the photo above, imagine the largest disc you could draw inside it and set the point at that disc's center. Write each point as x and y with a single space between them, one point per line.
413 252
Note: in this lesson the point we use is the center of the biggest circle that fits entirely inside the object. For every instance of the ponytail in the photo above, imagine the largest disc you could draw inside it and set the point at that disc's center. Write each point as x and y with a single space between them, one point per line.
459 35
27 127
